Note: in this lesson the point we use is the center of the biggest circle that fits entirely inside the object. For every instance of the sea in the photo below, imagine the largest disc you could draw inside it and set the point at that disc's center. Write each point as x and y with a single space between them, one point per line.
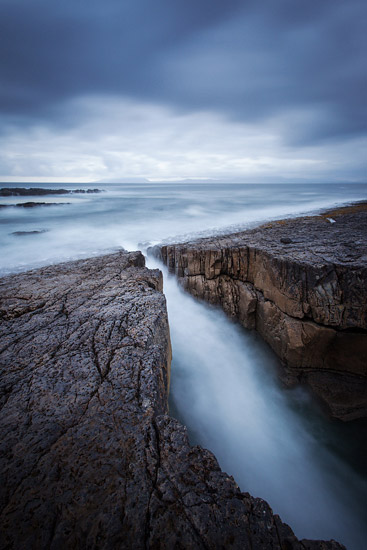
277 443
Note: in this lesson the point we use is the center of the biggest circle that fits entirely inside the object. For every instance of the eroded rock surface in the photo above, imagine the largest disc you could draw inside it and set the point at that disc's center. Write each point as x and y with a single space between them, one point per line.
302 283
89 456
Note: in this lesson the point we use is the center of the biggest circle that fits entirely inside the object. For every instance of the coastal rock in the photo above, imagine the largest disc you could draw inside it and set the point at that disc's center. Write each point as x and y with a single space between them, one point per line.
40 191
32 204
89 191
25 233
30 191
302 284
89 456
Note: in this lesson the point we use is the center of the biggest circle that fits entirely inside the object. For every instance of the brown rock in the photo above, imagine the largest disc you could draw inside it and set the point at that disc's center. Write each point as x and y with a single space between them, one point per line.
302 283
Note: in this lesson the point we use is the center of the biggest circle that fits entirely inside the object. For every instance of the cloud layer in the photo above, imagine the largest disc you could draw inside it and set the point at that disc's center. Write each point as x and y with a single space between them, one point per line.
291 70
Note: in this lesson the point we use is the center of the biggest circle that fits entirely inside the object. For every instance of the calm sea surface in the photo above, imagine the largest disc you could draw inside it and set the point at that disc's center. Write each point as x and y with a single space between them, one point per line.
275 442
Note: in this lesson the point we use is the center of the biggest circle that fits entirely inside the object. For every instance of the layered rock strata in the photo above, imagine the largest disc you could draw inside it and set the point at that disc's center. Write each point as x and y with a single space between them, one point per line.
89 456
302 284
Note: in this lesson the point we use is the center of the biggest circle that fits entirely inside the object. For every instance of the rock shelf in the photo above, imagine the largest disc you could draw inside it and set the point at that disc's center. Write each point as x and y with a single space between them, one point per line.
89 456
302 284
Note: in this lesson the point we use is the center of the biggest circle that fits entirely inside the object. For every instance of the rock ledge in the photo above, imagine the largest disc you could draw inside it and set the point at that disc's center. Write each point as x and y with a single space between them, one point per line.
90 458
302 284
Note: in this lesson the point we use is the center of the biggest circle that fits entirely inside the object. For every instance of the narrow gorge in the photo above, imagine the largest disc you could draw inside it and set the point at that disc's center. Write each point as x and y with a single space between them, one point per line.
90 457
302 284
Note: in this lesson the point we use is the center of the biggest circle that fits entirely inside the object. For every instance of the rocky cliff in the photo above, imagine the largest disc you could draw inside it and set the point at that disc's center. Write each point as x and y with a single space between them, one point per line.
302 284
89 456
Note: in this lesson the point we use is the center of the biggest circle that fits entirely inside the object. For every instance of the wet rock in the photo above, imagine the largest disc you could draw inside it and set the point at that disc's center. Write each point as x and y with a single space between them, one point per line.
24 233
32 204
36 191
89 191
89 456
308 300
39 191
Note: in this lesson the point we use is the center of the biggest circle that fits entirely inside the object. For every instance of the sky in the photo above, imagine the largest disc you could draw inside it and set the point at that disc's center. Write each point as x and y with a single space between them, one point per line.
134 90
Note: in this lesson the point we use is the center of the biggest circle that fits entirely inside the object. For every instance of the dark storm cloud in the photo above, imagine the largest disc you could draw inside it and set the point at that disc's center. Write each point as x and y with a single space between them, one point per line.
55 50
248 60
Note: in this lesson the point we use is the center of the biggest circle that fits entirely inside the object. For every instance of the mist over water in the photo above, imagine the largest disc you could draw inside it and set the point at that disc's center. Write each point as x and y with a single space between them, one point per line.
275 442
224 389
135 215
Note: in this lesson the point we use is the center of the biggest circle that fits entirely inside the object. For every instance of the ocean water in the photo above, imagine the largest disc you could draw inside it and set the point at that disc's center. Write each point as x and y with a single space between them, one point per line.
276 443
135 215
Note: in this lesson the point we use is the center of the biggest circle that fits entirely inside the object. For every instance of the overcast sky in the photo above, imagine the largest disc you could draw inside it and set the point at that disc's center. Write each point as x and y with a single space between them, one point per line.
234 90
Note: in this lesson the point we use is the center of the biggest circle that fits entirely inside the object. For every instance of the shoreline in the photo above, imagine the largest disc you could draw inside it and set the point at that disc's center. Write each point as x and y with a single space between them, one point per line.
225 231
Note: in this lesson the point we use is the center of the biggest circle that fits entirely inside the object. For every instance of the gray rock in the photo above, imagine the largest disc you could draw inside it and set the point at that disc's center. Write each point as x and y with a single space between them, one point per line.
30 191
89 456
40 191
32 204
25 233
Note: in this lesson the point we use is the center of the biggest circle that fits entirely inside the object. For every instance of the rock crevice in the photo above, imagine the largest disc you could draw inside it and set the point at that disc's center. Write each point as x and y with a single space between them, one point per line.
89 456
301 283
